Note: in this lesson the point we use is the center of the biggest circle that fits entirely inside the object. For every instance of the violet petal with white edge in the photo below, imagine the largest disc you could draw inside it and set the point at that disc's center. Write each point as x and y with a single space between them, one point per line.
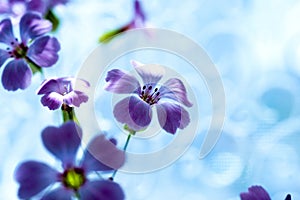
16 75
33 178
6 33
172 116
174 89
101 190
120 82
52 100
102 155
150 73
122 115
43 51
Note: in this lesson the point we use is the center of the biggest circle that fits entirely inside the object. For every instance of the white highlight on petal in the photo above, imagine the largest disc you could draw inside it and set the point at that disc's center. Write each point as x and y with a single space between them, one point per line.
150 73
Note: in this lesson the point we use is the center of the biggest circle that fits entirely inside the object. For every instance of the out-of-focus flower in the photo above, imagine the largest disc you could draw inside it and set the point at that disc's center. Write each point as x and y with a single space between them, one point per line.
255 193
288 197
138 21
32 51
59 91
53 3
15 9
74 180
136 110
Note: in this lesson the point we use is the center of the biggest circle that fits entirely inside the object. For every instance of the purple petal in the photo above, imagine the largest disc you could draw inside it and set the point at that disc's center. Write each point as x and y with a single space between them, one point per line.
63 142
6 34
16 75
62 85
172 116
120 82
37 5
101 154
4 7
134 112
52 100
150 73
139 12
101 190
255 193
139 16
75 98
33 178
33 26
59 194
44 51
51 85
54 3
175 90
3 56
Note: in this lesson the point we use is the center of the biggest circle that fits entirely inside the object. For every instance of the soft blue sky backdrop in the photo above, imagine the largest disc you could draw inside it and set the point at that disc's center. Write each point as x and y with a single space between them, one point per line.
255 45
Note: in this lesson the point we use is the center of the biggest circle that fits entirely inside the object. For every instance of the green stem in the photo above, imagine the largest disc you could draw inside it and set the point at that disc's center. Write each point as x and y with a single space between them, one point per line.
68 114
33 66
124 149
77 195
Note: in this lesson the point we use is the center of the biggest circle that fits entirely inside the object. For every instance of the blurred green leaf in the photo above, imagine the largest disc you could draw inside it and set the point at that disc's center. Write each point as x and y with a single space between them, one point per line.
108 36
53 19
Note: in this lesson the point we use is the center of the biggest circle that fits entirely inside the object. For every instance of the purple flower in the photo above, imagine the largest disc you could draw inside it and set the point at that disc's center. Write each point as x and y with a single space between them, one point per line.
75 177
33 48
59 91
136 110
255 193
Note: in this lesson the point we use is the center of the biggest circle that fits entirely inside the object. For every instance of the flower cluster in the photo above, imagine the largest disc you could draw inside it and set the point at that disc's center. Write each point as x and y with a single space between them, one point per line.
23 56
27 48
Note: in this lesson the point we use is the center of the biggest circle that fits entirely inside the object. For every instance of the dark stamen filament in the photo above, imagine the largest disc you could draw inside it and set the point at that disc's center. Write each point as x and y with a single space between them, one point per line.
150 97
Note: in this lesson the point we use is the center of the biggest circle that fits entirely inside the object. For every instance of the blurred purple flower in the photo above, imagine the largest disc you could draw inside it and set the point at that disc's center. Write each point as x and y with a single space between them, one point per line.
58 91
139 18
288 197
41 52
255 193
138 21
17 8
136 110
53 3
63 142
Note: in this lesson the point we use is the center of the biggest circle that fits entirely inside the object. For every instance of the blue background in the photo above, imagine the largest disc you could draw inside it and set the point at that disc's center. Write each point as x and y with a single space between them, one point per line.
255 45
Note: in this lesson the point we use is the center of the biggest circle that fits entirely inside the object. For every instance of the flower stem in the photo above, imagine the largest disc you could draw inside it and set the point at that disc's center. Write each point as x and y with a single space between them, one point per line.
124 149
127 142
68 113
33 66
77 195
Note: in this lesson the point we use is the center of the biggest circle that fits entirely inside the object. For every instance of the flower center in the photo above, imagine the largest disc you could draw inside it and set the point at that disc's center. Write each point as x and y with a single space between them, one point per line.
19 50
73 178
149 94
